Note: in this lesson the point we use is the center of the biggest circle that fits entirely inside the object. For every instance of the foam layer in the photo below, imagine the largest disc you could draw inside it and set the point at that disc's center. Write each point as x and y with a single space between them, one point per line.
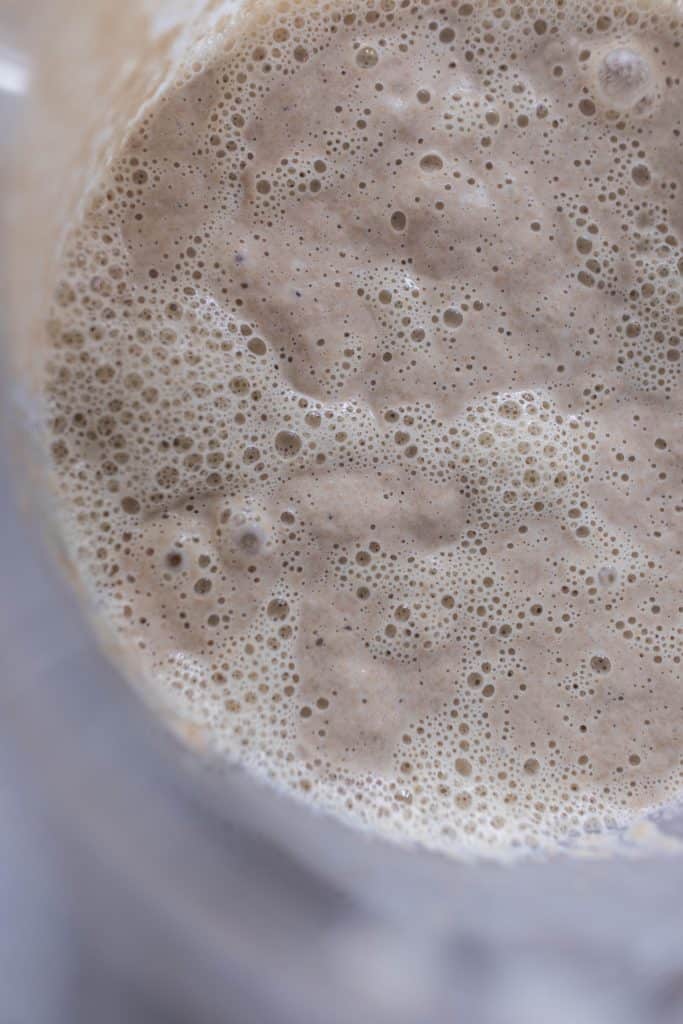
365 410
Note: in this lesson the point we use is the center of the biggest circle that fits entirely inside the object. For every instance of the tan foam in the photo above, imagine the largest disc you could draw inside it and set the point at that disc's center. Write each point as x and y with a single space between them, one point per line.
365 410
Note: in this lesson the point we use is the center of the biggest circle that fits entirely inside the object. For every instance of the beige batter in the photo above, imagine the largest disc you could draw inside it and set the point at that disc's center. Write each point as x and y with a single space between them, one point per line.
365 409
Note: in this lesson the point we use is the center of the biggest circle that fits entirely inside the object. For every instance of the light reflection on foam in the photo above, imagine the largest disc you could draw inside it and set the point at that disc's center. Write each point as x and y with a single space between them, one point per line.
14 74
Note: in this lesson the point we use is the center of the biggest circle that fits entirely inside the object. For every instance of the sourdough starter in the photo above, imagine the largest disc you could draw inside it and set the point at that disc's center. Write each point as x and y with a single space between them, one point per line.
364 404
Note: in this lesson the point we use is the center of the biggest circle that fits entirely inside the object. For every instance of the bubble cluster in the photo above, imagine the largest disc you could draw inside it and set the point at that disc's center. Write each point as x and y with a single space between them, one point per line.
363 396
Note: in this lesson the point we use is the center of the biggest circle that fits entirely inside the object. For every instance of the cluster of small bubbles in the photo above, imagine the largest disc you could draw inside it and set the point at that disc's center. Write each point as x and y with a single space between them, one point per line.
363 401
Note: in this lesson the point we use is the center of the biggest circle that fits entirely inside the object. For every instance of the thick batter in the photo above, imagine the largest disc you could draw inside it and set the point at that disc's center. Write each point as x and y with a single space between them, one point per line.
365 410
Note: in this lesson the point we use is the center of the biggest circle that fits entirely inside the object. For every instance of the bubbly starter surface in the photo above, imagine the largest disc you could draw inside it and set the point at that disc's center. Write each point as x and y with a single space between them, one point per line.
364 403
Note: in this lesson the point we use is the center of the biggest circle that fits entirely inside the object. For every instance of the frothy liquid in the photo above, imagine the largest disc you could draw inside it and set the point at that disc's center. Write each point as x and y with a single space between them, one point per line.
365 409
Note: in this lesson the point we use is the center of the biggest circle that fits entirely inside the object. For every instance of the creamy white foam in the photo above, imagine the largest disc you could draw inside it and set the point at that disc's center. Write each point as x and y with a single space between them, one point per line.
366 416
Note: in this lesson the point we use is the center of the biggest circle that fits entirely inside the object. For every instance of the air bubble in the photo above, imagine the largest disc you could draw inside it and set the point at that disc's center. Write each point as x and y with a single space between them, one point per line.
431 162
624 77
366 57
287 444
